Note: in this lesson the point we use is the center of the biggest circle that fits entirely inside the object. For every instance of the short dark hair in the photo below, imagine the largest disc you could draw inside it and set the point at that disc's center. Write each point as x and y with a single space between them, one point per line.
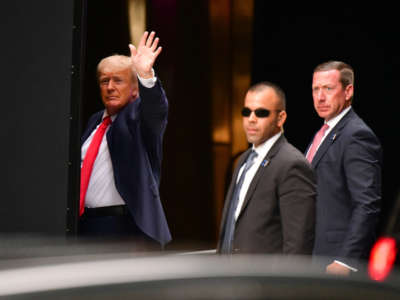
259 87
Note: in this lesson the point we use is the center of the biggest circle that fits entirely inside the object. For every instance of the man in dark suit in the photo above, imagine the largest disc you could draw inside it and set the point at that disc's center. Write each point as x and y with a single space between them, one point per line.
347 162
119 191
270 204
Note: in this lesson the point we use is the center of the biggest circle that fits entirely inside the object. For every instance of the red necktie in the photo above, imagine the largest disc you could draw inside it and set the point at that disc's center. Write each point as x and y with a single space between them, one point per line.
89 159
316 142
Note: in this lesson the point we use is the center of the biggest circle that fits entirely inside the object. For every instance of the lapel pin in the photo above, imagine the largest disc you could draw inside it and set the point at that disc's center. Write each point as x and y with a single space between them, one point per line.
265 162
333 137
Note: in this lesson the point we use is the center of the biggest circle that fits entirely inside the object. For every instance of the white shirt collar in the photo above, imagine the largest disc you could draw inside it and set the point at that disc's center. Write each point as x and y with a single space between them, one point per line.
105 114
332 122
264 148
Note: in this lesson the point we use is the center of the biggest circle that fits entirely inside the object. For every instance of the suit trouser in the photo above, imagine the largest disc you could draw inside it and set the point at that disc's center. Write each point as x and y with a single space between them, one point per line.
114 225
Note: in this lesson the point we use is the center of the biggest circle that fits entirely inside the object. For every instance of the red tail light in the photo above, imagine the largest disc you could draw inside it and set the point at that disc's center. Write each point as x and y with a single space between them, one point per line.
382 258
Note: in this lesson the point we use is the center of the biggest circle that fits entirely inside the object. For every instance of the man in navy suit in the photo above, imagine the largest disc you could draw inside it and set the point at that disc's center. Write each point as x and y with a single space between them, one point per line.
348 168
122 197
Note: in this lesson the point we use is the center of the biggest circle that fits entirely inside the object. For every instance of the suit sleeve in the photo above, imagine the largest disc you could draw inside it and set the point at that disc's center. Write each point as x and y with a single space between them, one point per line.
154 113
297 192
362 163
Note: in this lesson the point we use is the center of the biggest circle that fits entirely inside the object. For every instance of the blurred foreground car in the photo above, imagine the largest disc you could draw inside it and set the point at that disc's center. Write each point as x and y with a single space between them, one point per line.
177 276
384 255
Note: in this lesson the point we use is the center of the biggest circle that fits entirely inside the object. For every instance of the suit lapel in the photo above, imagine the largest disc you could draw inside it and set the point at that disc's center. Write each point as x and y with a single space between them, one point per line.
260 172
331 138
120 124
92 124
328 141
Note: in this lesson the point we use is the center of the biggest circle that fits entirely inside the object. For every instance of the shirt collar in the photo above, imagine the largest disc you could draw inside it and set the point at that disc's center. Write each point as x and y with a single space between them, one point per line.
105 114
332 122
263 149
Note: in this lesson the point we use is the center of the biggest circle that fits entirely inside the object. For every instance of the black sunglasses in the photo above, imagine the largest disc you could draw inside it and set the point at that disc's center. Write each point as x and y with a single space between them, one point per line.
259 112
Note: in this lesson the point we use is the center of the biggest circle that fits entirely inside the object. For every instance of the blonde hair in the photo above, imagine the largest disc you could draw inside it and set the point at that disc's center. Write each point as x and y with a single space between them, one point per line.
119 61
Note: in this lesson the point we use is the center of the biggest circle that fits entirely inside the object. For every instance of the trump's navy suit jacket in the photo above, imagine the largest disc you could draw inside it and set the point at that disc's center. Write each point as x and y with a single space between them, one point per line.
135 144
348 169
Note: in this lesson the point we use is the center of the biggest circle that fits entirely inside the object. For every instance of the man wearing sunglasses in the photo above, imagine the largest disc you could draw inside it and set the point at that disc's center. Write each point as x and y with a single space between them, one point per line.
270 204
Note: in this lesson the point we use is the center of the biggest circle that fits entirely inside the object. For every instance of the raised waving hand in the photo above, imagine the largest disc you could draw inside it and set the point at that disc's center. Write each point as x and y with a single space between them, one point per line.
144 56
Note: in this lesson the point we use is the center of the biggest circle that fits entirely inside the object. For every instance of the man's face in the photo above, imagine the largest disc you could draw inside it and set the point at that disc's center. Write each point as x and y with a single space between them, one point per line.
116 87
330 98
260 129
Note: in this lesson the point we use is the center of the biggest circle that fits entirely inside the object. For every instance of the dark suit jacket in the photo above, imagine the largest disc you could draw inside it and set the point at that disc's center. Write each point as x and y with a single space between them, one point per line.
278 213
135 144
348 169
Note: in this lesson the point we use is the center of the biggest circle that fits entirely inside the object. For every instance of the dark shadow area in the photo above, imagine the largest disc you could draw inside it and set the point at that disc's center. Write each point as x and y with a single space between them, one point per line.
107 34
36 120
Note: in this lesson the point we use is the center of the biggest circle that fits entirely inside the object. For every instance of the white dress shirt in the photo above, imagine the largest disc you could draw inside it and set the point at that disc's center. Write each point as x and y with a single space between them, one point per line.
101 190
261 150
